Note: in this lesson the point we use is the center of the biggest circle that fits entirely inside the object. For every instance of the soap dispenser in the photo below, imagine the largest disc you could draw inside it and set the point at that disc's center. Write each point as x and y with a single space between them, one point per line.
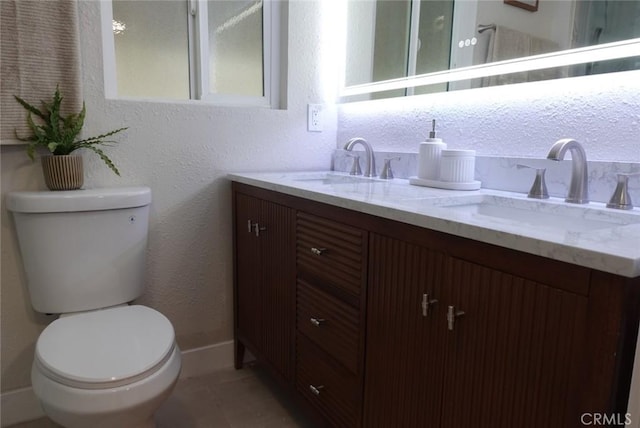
429 155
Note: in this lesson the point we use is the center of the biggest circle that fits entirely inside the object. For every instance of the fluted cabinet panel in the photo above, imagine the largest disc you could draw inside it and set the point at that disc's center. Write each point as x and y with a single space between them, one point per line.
331 251
278 285
247 272
404 373
330 323
336 394
511 356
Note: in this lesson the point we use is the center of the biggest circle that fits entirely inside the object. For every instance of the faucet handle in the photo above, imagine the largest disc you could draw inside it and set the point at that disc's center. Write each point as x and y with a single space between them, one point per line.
539 187
621 199
355 168
387 173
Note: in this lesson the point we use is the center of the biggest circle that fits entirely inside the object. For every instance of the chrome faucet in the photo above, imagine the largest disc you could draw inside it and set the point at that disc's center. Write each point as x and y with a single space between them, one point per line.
370 169
578 188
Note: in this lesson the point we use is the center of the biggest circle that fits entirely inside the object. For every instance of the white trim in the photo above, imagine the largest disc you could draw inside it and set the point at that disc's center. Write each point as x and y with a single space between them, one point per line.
271 68
108 51
207 359
21 405
192 13
201 43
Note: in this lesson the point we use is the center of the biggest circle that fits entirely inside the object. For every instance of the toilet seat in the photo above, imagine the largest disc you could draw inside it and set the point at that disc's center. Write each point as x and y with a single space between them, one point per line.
105 348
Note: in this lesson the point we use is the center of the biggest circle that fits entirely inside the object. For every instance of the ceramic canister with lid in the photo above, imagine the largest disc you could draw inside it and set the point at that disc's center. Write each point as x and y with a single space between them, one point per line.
457 166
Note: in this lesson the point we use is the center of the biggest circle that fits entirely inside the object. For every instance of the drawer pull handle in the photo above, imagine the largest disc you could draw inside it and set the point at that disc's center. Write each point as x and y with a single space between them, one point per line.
426 304
317 321
318 251
452 314
316 389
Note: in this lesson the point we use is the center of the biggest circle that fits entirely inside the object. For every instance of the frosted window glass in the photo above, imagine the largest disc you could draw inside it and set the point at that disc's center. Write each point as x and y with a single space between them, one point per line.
151 45
235 47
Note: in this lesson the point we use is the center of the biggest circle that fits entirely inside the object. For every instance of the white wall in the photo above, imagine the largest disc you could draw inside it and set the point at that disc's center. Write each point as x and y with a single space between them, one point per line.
602 112
182 151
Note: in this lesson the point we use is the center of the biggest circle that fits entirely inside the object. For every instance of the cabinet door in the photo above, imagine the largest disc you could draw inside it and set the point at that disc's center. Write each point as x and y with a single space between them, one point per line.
265 280
403 379
513 357
278 285
248 290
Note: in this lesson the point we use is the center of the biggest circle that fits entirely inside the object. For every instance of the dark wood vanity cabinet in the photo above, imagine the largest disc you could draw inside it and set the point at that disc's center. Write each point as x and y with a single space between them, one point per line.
376 323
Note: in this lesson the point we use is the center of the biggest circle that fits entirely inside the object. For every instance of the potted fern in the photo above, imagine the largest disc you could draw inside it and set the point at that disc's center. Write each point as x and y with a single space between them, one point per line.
59 135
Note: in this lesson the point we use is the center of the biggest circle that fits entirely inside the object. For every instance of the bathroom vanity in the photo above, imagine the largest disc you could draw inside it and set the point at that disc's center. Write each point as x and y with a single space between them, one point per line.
380 304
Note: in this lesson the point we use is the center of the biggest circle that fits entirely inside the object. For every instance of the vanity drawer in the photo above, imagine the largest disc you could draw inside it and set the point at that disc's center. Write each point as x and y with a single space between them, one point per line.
327 385
331 251
329 323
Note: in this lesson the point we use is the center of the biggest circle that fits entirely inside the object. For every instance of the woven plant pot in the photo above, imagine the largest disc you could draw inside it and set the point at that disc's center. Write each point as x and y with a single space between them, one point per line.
63 172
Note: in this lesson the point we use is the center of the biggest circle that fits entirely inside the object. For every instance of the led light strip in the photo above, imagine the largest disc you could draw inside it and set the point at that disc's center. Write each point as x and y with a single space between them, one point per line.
604 52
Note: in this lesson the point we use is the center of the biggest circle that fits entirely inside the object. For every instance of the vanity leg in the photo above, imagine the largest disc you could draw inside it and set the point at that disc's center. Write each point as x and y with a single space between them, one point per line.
238 354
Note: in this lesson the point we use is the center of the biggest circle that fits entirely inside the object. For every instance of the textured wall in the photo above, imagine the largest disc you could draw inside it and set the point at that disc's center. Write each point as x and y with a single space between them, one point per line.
182 151
602 112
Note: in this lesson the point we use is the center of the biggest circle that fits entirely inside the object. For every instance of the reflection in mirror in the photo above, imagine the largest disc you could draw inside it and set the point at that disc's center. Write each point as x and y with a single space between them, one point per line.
392 39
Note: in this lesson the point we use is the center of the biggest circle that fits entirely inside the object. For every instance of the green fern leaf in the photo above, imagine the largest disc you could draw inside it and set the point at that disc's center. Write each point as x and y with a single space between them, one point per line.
105 159
29 107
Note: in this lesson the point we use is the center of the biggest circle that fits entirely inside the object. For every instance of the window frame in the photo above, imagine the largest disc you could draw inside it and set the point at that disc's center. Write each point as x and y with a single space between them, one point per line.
198 57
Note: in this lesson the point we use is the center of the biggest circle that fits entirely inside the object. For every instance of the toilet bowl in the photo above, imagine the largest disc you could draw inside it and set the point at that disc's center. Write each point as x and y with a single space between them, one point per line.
106 368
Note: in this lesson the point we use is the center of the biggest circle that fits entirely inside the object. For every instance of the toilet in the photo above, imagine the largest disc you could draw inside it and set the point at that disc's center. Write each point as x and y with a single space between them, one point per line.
104 362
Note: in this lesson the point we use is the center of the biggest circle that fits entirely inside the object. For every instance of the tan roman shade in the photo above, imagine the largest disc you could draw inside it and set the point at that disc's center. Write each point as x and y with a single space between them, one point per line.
39 50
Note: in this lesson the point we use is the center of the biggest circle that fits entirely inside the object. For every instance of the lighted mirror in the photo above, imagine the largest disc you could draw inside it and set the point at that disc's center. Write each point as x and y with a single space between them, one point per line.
405 47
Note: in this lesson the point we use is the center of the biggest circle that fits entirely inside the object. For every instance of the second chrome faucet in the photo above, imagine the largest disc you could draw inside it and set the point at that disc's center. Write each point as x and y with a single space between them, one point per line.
578 187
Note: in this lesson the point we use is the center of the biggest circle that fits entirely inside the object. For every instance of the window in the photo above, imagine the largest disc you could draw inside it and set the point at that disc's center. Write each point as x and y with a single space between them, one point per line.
219 51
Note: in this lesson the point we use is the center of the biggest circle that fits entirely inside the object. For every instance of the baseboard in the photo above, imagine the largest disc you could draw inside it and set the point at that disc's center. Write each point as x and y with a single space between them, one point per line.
21 405
207 359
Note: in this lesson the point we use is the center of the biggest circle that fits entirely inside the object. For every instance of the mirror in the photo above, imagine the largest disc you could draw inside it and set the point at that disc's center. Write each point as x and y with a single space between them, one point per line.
399 40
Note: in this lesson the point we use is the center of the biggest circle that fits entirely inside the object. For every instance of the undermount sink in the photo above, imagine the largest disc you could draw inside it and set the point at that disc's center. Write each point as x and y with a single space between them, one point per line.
542 214
336 179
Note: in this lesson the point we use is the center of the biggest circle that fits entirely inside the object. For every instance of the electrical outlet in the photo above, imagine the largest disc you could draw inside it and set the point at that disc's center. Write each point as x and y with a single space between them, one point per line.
314 117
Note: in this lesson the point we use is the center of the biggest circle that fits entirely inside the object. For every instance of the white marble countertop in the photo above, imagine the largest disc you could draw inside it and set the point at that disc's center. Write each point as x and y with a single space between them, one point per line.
591 235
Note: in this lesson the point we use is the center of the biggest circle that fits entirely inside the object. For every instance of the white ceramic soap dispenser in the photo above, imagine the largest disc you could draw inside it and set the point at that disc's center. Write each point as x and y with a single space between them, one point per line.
429 155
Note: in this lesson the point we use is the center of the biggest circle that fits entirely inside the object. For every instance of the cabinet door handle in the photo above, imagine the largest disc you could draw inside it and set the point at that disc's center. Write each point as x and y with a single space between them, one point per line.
318 251
452 314
249 226
257 228
316 389
426 304
317 321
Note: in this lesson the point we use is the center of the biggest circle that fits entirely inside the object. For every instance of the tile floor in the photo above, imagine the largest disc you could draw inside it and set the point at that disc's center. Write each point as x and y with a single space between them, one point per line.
246 398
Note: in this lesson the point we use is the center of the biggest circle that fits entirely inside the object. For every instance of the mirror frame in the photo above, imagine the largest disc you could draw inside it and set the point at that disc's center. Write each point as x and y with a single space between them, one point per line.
603 52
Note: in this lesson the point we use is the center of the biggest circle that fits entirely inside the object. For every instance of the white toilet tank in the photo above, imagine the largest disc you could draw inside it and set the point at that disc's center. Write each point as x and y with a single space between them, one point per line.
82 249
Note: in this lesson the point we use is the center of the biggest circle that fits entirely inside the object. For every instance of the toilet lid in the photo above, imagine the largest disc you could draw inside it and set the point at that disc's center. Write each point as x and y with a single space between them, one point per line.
115 345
